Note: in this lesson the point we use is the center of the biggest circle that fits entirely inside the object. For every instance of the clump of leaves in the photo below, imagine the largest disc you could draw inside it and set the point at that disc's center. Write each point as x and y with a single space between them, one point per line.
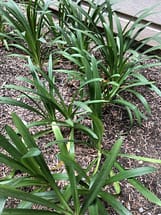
29 23
120 59
2 28
84 188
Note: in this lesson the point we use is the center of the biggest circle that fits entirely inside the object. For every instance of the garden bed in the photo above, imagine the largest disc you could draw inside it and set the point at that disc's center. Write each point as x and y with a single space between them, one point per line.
84 91
144 140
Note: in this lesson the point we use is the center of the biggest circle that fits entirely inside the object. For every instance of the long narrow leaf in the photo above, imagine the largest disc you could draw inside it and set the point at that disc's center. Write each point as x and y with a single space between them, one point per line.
38 163
73 185
145 192
23 182
116 205
2 204
130 174
13 163
141 188
5 144
27 212
102 176
93 209
141 158
14 102
17 141
6 191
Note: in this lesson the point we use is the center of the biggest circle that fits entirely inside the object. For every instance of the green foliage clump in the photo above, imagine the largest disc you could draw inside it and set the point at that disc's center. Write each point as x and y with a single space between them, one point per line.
120 57
30 27
102 81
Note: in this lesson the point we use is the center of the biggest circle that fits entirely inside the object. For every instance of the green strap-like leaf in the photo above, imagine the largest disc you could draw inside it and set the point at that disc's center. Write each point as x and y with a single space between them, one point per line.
27 212
83 105
93 209
71 162
73 187
24 132
142 100
130 174
102 208
141 158
12 163
2 203
116 205
33 152
23 182
141 188
10 101
101 177
155 89
86 130
17 141
130 106
145 192
7 191
5 144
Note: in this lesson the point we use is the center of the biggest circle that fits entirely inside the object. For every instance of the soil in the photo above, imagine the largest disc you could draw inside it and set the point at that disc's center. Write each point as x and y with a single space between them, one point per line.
144 140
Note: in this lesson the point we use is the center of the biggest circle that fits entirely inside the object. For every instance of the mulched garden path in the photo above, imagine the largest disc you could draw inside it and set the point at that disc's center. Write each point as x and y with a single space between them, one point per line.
143 141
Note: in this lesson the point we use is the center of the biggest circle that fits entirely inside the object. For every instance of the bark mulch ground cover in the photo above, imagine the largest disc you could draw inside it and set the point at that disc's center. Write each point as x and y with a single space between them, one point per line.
144 140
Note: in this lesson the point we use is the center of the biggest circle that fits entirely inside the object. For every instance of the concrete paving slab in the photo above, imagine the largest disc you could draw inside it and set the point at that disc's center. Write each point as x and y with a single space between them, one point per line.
130 8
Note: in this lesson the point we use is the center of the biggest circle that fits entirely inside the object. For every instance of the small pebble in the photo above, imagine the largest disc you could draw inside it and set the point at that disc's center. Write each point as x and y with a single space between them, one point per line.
141 210
140 162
